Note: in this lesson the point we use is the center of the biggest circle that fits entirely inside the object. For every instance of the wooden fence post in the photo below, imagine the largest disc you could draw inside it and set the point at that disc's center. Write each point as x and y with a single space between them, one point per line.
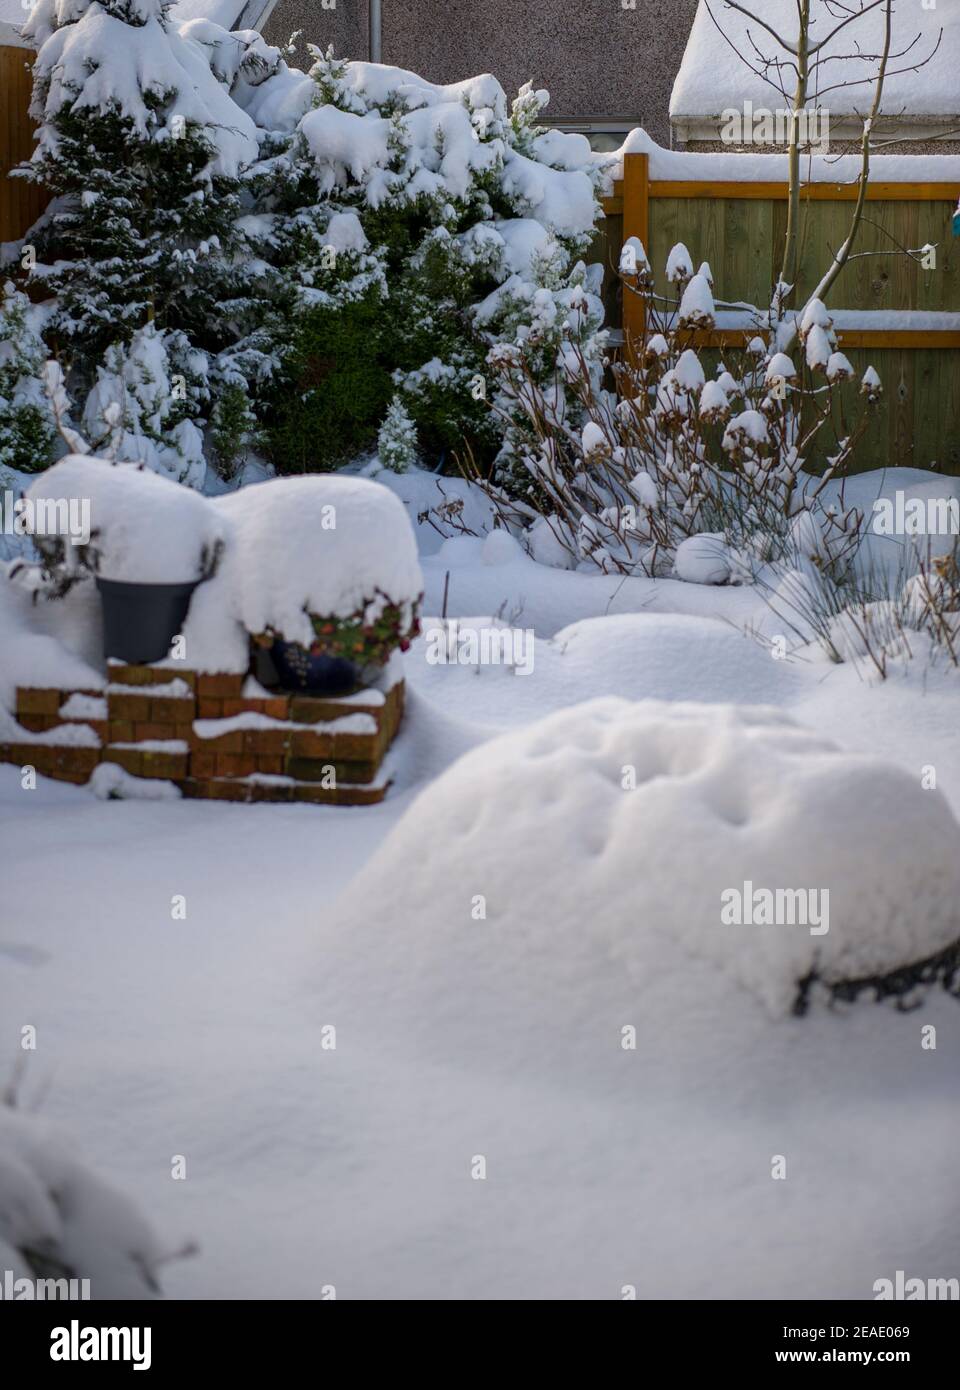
636 222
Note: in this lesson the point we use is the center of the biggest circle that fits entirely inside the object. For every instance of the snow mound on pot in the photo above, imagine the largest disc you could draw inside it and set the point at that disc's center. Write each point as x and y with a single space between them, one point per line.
59 1220
610 833
144 528
329 545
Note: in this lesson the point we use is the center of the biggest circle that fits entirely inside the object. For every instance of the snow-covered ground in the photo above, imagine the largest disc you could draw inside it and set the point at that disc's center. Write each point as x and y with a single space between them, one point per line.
459 1038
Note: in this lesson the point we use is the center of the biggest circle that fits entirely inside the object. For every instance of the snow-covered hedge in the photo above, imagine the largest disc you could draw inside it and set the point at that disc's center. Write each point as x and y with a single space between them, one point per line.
270 256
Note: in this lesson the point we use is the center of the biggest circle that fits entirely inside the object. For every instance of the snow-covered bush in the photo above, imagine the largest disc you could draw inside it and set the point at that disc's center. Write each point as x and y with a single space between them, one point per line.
58 1220
397 440
142 148
142 409
622 481
27 427
461 219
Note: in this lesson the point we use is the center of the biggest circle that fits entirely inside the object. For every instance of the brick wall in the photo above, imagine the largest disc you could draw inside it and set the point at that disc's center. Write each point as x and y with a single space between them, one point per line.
218 736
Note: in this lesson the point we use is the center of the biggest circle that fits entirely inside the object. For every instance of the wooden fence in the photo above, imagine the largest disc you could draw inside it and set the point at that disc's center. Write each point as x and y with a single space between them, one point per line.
21 203
739 228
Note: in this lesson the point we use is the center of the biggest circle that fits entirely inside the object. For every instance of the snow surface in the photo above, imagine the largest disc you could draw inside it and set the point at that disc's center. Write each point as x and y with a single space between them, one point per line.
55 1208
605 1167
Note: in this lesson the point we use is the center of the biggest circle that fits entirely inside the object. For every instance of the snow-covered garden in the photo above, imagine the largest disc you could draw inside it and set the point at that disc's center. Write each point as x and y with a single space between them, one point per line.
590 927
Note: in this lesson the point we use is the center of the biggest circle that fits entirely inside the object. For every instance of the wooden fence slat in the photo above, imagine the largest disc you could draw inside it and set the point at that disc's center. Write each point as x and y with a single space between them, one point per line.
636 217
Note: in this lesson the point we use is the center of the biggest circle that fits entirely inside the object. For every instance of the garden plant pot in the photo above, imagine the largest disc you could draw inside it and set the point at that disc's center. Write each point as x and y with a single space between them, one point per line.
299 669
141 620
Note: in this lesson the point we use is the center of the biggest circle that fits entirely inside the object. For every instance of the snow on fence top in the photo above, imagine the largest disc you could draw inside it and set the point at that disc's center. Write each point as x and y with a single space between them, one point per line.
737 167
713 78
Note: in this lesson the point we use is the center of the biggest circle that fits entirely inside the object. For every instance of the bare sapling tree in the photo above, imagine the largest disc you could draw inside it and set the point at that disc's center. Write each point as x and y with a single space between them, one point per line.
798 70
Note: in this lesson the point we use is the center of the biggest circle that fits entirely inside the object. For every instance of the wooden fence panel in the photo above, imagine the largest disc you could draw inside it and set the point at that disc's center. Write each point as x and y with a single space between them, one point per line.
21 203
740 229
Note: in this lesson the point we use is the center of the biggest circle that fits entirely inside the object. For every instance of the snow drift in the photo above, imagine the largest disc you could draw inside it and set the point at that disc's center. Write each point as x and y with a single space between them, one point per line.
575 866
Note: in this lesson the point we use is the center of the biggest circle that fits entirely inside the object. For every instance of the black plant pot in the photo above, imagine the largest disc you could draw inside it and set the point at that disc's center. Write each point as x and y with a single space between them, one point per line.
299 669
141 620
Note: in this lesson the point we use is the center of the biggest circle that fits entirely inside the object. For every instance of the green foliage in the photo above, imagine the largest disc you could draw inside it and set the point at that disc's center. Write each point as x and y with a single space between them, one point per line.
233 429
362 640
334 390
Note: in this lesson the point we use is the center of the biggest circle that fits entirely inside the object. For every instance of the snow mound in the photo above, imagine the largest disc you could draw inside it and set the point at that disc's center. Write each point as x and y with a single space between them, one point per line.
58 1220
330 545
613 832
144 528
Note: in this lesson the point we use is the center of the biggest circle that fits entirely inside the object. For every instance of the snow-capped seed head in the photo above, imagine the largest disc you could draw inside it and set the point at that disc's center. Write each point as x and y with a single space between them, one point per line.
729 384
757 347
779 365
817 347
657 346
815 316
839 368
633 258
706 272
688 371
870 385
679 265
594 442
747 429
696 306
713 402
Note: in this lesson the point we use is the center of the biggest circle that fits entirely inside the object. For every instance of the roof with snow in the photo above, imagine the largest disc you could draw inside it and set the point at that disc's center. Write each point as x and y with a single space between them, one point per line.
921 89
230 14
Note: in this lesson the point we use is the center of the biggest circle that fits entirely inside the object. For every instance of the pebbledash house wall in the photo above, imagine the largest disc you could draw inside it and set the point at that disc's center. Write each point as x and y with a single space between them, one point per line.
607 67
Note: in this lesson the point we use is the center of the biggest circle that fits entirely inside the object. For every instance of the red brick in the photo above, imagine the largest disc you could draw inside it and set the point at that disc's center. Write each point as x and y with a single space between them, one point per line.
220 687
203 764
149 675
235 765
235 706
269 741
141 732
127 758
39 723
34 700
231 742
162 764
271 764
170 710
351 747
208 708
132 707
277 707
119 731
100 727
